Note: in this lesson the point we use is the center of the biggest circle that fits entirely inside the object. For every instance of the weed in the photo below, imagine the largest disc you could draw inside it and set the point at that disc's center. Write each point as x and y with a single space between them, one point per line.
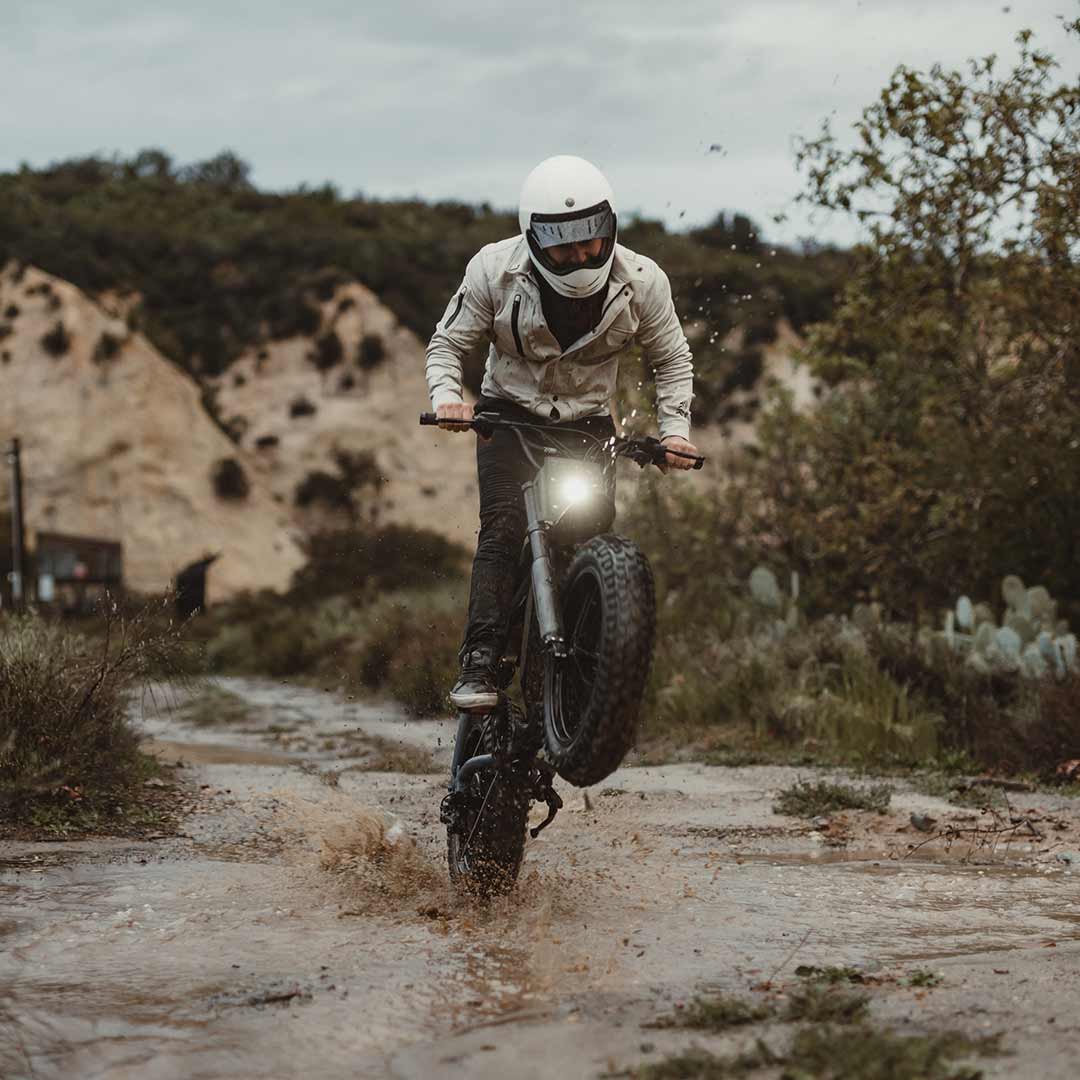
868 1053
386 755
806 799
830 974
826 1004
700 1064
215 706
924 979
717 1013
69 752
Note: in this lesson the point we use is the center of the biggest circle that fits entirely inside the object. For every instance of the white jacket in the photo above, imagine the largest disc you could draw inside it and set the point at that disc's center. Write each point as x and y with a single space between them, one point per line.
499 302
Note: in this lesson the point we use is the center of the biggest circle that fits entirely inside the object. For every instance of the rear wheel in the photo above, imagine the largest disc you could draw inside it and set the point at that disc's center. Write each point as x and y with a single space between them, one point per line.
592 697
485 846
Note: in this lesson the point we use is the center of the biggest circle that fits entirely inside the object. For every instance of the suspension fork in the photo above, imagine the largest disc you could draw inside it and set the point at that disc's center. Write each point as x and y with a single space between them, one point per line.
545 596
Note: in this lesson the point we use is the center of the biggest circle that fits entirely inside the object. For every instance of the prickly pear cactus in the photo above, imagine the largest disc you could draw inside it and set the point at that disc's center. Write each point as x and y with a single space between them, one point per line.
1031 641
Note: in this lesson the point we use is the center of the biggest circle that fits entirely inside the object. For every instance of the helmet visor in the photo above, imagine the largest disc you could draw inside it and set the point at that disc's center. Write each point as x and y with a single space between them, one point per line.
576 227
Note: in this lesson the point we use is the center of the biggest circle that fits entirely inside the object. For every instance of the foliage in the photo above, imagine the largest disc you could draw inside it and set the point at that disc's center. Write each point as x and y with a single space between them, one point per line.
950 436
366 561
807 798
717 1012
820 1004
867 1053
221 265
56 341
68 749
229 480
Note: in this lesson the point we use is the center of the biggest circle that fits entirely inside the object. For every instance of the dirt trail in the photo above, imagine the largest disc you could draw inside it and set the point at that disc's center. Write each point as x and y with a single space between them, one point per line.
302 926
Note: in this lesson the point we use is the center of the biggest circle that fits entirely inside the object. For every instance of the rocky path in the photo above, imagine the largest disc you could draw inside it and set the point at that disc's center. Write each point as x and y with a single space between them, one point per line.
301 925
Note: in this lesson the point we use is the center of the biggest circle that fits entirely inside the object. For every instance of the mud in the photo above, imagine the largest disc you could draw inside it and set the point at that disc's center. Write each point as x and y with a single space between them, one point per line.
302 924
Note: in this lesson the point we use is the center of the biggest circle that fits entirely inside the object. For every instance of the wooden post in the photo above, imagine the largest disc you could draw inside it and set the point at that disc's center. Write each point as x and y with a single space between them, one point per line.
18 543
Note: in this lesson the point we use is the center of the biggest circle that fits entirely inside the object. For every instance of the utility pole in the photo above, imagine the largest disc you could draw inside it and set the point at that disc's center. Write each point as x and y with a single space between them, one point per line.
18 546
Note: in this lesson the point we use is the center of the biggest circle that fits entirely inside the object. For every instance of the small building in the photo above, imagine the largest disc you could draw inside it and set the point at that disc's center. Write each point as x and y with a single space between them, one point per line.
73 572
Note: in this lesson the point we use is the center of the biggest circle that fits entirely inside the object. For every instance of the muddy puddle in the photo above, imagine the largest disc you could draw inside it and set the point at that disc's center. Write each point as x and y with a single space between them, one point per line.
303 925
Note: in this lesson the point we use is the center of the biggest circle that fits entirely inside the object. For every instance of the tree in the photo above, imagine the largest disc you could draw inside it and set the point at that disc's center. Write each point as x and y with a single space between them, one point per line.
948 451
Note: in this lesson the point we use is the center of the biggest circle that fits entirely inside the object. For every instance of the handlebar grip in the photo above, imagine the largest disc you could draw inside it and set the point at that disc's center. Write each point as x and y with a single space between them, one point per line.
429 419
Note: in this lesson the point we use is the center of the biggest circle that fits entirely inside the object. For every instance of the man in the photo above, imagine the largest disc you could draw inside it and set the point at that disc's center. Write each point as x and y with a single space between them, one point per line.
557 304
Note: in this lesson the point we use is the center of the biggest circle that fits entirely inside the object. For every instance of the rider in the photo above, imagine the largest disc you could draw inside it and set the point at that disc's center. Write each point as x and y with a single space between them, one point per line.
557 304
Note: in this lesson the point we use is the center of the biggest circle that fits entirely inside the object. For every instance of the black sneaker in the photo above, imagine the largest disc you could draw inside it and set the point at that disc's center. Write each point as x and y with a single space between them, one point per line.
475 690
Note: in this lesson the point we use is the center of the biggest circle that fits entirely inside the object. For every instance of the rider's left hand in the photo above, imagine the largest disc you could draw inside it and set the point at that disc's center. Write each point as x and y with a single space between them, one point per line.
684 446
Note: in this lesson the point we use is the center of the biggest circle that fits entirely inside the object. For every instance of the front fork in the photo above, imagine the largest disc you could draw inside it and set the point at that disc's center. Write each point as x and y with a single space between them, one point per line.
545 596
549 622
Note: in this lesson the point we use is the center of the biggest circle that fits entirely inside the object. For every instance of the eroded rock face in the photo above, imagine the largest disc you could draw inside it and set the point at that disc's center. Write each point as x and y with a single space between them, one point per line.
296 421
117 444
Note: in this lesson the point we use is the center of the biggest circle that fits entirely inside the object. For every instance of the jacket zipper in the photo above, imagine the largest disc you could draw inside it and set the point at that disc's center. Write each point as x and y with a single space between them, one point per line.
514 325
457 310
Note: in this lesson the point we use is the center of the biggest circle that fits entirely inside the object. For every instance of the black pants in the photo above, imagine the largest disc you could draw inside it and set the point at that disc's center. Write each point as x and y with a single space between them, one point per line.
501 468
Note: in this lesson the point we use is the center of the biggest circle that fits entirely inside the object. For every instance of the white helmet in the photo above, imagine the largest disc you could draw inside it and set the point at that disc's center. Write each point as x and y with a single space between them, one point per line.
566 200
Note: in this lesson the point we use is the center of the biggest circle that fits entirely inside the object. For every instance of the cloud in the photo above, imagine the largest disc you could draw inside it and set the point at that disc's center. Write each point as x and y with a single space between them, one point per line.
460 100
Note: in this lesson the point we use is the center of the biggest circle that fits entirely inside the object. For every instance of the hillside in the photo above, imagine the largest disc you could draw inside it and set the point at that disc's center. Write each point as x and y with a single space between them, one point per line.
118 442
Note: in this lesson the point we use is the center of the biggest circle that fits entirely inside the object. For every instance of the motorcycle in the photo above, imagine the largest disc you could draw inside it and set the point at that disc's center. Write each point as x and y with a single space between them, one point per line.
581 634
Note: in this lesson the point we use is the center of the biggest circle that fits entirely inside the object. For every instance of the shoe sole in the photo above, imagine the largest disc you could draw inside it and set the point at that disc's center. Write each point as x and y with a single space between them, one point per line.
474 702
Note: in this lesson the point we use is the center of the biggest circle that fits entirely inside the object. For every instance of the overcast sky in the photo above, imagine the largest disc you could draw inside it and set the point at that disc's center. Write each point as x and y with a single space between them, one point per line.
460 98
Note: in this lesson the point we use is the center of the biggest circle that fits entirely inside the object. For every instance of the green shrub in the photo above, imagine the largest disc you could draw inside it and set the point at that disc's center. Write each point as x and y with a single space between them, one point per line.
107 348
412 655
809 799
229 480
57 341
367 561
67 748
372 352
328 351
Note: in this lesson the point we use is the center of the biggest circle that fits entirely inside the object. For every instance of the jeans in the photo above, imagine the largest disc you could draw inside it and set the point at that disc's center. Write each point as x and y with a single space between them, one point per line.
501 468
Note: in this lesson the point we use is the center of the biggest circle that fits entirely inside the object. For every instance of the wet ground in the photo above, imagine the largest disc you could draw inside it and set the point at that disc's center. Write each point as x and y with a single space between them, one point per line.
301 925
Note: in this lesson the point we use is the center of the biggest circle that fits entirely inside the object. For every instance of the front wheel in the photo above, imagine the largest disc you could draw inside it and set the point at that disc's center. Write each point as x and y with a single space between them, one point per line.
485 845
592 697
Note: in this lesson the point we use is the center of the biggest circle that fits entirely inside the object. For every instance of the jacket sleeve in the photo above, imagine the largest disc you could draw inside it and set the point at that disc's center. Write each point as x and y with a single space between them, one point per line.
668 353
467 321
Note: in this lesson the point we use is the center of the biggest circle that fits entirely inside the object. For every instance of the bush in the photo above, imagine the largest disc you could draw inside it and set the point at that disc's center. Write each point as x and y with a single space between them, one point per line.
325 488
57 341
301 407
67 748
371 353
365 561
229 479
107 348
328 351
413 655
11 312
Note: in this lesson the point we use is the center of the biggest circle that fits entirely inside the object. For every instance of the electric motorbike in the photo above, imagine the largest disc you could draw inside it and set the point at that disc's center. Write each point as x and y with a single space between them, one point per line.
581 640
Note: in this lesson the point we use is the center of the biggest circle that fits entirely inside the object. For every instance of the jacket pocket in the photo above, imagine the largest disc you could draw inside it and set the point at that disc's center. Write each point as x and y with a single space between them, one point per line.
457 310
515 314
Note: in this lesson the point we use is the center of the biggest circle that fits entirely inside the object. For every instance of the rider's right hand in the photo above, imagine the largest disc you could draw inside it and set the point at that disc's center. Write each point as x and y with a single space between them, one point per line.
447 414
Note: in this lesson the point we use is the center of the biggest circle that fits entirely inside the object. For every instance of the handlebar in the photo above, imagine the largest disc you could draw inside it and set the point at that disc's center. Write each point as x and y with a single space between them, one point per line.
644 449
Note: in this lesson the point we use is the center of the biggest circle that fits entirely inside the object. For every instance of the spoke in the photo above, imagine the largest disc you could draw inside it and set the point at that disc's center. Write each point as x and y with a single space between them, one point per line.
583 615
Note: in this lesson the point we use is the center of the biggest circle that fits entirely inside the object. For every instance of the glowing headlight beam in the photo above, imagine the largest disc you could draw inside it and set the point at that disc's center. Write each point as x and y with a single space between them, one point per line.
575 489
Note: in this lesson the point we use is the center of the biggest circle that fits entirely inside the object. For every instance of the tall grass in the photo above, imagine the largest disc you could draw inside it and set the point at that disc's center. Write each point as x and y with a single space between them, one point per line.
65 738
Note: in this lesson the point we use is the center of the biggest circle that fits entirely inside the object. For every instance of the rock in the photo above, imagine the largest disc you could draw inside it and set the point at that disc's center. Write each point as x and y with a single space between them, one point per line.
923 822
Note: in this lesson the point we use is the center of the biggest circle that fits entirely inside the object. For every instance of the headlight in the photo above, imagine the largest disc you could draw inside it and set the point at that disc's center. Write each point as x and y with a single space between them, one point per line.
575 489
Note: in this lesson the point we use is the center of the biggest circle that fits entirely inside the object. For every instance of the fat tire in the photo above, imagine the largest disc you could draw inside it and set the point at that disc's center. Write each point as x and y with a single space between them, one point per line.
607 724
489 865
